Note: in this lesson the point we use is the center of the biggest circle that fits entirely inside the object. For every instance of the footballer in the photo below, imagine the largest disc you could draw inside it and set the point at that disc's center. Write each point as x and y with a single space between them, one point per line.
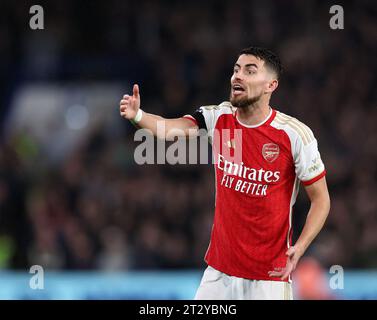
251 254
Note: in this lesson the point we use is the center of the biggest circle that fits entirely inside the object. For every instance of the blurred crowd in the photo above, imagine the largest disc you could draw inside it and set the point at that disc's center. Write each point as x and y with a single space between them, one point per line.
97 209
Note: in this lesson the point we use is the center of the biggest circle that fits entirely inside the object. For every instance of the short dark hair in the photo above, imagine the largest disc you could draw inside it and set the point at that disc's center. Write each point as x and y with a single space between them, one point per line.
271 60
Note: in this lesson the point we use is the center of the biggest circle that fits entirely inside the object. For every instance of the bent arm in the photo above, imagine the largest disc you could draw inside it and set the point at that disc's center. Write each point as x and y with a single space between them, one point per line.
319 210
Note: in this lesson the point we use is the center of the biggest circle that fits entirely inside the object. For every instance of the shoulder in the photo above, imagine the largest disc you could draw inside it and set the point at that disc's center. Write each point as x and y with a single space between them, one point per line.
293 127
224 107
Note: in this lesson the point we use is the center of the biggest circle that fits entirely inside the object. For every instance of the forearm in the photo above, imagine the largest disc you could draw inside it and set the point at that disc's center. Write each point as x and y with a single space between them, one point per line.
319 210
152 122
166 128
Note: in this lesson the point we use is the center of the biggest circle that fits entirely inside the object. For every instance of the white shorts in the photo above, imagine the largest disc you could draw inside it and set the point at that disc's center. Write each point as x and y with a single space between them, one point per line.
216 285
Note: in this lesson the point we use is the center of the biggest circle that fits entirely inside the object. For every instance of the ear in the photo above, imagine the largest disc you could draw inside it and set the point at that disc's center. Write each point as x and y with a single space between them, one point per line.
272 85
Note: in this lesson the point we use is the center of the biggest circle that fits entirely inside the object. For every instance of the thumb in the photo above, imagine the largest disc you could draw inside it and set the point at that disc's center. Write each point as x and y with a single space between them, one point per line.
136 91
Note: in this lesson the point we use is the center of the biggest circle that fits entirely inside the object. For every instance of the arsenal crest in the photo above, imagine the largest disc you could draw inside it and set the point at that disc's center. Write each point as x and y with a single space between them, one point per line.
270 151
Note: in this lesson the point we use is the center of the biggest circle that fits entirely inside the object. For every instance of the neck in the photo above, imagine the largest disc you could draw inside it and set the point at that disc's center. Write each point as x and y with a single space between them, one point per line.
253 114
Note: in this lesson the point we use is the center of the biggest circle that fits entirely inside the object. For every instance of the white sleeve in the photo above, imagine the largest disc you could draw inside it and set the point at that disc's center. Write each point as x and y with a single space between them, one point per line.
207 116
210 115
308 163
204 117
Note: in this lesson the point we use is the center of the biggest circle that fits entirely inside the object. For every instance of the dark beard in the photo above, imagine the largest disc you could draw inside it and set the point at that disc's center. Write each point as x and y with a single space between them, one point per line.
243 103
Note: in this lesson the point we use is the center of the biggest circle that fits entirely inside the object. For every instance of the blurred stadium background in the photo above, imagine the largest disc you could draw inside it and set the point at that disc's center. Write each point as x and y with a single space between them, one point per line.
72 198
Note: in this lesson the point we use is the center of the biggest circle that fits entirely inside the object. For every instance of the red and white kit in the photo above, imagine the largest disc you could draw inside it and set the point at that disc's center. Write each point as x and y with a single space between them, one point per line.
256 192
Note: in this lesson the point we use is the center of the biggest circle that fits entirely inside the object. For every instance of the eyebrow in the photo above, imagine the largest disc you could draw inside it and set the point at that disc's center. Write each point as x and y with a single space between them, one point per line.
247 65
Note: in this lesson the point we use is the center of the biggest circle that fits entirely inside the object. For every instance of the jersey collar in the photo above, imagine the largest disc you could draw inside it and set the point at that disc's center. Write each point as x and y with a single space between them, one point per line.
267 120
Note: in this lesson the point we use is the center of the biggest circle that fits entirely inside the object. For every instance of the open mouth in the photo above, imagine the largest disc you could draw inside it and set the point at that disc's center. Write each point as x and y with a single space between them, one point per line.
237 88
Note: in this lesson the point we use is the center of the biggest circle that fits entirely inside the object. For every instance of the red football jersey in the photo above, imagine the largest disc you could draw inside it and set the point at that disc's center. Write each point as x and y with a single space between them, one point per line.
258 172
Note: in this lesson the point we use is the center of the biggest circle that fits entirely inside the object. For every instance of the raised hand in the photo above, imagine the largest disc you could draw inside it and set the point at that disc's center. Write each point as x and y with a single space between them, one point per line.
129 105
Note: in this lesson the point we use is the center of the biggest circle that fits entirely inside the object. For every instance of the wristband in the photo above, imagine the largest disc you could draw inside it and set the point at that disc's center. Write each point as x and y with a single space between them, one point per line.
138 116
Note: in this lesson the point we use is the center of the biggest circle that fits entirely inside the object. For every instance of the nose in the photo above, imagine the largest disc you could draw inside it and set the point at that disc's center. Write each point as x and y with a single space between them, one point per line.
237 77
